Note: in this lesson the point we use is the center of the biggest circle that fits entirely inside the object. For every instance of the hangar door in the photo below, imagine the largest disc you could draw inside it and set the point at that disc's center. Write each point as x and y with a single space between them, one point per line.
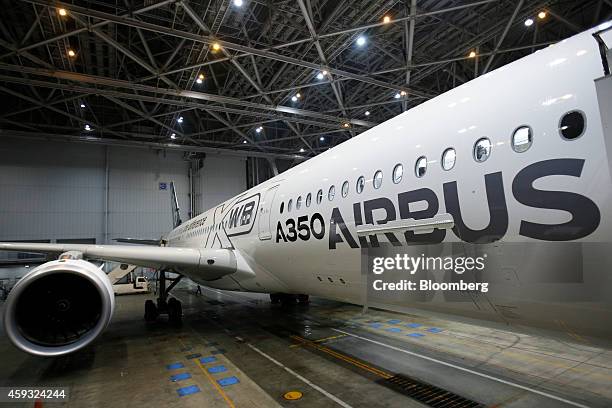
265 209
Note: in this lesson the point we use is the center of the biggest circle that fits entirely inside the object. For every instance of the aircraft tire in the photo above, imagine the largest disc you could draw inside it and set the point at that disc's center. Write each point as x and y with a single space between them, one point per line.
151 312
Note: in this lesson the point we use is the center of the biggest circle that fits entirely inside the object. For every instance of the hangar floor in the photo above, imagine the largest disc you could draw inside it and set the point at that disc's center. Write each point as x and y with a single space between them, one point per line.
238 350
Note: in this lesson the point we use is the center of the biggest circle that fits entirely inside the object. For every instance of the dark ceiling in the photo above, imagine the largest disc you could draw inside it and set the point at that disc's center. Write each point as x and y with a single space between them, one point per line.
136 65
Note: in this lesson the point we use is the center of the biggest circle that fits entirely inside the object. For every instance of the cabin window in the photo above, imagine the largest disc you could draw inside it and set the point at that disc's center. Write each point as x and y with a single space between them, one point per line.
398 173
572 125
308 199
448 158
282 207
522 139
420 168
289 205
377 181
482 150
360 184
345 188
319 196
298 203
331 193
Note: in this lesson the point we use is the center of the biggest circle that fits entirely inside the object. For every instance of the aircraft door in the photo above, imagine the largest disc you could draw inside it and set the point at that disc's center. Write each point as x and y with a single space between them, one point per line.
265 209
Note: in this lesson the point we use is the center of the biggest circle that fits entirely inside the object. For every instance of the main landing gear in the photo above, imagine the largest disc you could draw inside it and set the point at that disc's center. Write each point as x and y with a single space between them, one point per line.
165 304
287 299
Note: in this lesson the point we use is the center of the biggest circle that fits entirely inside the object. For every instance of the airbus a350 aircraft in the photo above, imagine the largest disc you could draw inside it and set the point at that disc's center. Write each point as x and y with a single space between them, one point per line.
515 161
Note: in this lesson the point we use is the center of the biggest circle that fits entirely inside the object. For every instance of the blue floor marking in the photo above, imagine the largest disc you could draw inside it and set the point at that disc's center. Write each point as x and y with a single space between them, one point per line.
376 325
414 325
175 366
434 330
192 389
217 369
179 377
224 382
394 321
206 360
416 335
394 330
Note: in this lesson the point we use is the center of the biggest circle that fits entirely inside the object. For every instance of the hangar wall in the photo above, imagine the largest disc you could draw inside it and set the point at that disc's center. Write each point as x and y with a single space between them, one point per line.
58 190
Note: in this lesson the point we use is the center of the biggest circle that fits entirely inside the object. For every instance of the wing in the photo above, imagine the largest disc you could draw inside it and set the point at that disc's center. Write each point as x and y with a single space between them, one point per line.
209 264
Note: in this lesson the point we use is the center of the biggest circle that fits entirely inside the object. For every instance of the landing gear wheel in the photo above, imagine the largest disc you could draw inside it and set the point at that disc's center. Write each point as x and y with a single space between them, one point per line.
303 299
175 311
151 312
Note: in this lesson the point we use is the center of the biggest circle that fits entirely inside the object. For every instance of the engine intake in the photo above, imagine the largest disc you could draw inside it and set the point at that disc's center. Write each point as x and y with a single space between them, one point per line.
59 307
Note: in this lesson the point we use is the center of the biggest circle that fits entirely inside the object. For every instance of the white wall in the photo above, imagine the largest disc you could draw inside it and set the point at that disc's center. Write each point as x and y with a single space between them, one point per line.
56 190
219 178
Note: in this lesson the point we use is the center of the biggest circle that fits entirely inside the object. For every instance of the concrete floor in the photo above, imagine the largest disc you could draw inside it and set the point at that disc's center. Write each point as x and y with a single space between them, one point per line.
241 351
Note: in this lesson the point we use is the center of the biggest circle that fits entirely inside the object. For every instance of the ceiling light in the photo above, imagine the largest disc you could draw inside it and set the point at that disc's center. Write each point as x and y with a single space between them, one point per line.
542 15
298 95
322 139
472 54
367 113
324 72
397 96
62 12
173 136
71 53
259 129
320 76
238 3
83 105
198 81
294 98
216 46
201 76
386 19
403 93
302 150
361 41
88 128
529 22
244 142
346 125
180 119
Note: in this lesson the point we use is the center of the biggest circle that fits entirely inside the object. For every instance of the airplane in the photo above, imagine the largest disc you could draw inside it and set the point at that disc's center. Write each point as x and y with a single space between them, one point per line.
513 164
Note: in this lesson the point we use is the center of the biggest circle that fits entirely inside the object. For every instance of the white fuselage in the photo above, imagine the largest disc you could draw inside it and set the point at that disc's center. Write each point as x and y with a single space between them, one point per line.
320 257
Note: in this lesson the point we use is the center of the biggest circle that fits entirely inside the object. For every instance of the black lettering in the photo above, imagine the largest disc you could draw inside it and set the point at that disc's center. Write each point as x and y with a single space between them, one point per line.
380 204
279 233
337 221
247 213
498 212
303 227
321 233
427 195
291 232
585 213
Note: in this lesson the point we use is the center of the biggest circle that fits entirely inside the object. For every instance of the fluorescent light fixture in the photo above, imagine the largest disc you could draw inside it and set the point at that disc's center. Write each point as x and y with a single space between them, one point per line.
173 136
244 142
322 139
180 119
82 105
397 96
259 129
88 128
238 3
302 150
198 81
361 40
320 76
529 22
367 113
294 98
298 95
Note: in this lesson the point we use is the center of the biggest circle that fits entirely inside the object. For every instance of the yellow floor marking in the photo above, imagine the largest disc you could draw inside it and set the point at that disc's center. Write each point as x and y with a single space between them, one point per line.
345 358
292 395
212 380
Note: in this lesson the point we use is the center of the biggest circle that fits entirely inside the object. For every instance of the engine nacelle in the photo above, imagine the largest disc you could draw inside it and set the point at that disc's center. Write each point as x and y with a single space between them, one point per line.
59 307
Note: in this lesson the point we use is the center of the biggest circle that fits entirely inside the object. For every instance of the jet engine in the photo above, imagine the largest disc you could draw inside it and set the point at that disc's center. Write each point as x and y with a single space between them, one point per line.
59 307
